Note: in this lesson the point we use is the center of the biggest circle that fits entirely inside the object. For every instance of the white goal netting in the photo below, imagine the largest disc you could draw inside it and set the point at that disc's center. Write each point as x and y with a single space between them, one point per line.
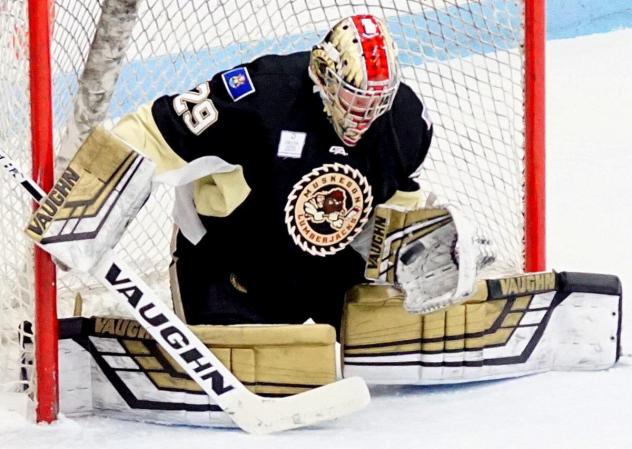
463 57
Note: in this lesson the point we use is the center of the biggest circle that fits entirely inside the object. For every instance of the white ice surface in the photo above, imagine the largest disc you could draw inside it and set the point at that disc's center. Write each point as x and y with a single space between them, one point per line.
589 144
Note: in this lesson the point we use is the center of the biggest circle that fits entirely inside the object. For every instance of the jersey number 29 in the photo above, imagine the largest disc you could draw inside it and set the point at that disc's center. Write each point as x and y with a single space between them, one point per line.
203 113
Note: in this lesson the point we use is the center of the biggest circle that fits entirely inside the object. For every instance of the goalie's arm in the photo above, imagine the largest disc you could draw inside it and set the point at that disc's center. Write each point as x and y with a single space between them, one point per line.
107 182
202 136
216 194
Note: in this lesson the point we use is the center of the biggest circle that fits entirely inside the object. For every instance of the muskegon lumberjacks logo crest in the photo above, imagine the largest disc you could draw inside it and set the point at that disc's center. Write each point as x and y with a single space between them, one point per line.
327 208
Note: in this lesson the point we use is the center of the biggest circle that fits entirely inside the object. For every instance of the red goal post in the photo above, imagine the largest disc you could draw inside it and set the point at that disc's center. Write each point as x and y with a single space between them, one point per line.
450 69
535 167
45 280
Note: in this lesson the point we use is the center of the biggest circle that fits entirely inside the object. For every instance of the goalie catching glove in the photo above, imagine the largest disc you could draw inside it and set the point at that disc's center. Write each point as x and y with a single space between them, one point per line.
432 254
98 194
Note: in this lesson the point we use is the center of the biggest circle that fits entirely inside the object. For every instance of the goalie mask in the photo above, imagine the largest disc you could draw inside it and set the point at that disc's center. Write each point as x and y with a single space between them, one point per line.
355 68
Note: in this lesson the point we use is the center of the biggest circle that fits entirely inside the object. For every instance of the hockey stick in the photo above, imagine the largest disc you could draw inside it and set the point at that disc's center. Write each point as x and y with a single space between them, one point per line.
252 413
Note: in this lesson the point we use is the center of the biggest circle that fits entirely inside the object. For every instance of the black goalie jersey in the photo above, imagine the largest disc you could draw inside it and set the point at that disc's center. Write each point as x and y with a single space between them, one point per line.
288 243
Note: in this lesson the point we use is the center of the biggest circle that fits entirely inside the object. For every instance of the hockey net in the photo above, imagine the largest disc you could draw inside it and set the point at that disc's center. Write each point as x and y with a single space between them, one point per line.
465 59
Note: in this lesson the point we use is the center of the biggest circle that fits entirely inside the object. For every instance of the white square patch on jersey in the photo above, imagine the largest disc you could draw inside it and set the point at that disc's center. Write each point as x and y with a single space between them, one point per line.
291 144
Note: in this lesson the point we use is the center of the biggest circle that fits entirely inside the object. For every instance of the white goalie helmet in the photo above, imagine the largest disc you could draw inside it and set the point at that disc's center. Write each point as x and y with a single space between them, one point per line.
356 71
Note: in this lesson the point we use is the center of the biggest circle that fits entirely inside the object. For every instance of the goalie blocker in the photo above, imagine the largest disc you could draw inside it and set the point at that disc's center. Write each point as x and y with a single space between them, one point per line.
91 203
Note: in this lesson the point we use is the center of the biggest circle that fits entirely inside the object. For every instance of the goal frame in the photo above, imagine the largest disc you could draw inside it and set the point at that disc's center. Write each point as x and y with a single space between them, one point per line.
40 74
45 321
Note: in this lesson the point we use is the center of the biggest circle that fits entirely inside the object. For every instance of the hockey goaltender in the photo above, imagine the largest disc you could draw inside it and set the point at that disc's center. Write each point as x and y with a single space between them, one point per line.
296 183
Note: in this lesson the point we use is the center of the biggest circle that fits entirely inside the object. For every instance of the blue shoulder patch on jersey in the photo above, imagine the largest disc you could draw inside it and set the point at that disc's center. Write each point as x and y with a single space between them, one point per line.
238 83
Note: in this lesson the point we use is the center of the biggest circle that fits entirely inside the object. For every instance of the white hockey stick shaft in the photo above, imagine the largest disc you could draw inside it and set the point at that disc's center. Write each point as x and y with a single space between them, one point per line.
252 413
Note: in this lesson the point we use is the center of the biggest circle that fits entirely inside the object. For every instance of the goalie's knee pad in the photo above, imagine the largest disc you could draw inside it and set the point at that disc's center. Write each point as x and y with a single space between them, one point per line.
112 367
508 327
